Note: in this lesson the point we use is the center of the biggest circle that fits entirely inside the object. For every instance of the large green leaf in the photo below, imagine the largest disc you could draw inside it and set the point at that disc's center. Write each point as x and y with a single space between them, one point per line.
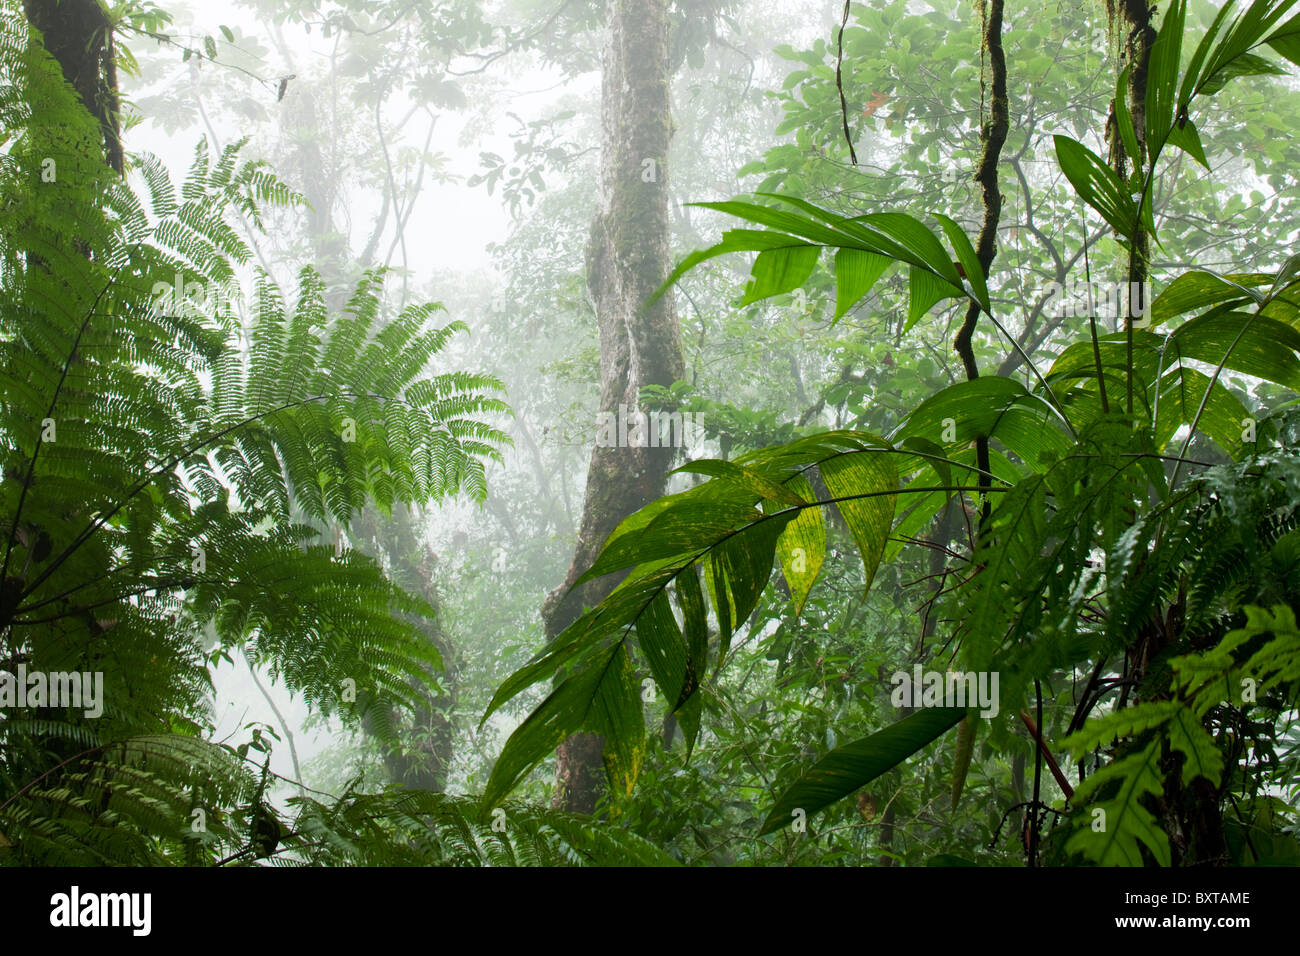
1188 139
777 271
617 715
1230 56
1124 117
1247 64
865 246
1197 290
966 409
847 768
746 478
695 628
802 546
613 617
1097 185
1162 76
738 569
1286 40
663 646
601 696
857 480
924 289
923 247
690 525
968 258
856 271
1182 391
1253 344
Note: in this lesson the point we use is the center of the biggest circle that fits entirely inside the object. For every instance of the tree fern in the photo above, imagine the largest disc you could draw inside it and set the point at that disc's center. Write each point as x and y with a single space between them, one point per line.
162 441
1114 819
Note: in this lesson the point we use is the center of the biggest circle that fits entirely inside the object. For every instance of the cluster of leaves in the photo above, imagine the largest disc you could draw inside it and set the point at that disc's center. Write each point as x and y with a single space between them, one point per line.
1071 475
169 454
1242 665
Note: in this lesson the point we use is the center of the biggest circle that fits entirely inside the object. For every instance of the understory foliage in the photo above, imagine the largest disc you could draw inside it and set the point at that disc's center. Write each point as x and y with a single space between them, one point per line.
1128 555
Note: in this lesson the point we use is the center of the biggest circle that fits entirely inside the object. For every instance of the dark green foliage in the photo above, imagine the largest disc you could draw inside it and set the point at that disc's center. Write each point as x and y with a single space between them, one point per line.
162 444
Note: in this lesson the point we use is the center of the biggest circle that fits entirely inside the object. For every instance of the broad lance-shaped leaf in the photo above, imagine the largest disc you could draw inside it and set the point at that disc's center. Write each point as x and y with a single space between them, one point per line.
865 247
613 616
617 715
1253 344
687 527
923 246
1124 117
1229 57
1186 138
717 523
847 768
802 546
602 697
973 407
968 258
662 644
934 457
1286 275
695 629
1162 76
1248 64
737 571
1286 40
1097 185
733 240
856 271
859 479
1193 73
1182 390
1197 290
777 271
746 478
782 220
924 289
896 235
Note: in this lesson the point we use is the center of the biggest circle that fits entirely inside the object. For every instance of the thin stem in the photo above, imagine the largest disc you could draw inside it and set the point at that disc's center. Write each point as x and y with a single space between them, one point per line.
839 84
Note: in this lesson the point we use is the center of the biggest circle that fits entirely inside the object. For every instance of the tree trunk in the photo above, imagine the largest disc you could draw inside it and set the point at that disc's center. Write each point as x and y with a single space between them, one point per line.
78 34
628 257
1134 18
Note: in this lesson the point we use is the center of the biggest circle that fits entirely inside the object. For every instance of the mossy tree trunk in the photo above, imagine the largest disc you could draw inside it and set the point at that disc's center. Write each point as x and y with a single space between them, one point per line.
79 35
628 257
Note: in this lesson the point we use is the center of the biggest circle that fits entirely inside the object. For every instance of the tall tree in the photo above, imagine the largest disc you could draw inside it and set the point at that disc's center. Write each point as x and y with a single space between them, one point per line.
628 257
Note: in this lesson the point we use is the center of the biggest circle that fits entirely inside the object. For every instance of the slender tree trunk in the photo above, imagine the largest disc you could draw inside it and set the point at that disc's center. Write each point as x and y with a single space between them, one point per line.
1134 18
628 257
